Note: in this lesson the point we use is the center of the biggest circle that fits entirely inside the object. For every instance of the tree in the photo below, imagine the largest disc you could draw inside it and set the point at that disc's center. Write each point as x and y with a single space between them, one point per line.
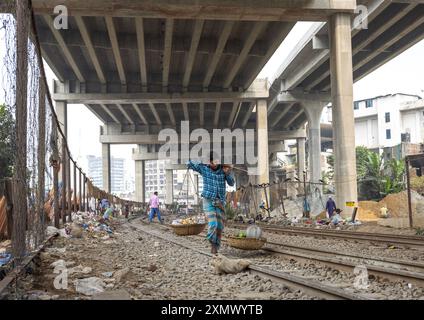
7 142
361 158
377 178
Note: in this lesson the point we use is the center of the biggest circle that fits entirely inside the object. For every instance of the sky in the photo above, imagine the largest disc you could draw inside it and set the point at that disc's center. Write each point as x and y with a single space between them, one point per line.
403 74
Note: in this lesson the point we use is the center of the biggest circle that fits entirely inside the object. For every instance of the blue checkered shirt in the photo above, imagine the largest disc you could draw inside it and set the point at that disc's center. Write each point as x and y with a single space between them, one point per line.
213 181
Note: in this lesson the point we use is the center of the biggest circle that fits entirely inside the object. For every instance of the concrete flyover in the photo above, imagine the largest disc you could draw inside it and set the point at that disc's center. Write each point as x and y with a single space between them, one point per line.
147 65
314 75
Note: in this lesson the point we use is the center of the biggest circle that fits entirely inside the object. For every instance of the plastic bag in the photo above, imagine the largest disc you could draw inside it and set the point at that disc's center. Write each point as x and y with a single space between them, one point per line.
253 232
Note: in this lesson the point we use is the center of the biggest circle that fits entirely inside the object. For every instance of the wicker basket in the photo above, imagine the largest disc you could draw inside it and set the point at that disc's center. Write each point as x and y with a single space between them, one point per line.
188 229
246 243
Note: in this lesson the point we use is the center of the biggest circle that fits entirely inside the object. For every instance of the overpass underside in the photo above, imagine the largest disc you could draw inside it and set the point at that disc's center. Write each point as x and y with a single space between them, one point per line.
145 66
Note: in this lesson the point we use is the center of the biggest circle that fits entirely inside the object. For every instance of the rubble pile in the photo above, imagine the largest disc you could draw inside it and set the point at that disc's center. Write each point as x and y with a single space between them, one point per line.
396 203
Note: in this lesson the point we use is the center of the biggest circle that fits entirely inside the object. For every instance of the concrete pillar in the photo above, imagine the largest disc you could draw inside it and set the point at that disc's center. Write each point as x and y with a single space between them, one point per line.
263 156
301 156
343 120
106 167
169 186
140 181
313 111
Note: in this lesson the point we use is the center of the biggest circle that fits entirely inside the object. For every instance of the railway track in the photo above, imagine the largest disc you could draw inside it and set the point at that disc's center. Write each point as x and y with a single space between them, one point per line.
410 271
392 269
307 286
399 240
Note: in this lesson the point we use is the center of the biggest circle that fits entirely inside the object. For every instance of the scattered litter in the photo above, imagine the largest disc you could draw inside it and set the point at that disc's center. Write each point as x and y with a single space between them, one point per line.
63 233
80 269
5 258
58 263
51 230
89 286
224 265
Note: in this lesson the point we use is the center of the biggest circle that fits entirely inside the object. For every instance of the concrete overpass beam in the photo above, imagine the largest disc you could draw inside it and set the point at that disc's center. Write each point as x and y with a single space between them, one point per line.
343 121
141 153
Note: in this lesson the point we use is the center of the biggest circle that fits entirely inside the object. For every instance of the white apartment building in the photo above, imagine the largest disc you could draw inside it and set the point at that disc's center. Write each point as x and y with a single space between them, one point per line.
155 180
387 121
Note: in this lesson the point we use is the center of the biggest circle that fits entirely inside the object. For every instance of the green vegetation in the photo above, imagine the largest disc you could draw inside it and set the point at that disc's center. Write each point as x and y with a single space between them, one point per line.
7 142
376 177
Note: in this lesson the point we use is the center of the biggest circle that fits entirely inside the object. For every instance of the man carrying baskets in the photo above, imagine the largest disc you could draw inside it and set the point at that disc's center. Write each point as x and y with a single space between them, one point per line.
214 194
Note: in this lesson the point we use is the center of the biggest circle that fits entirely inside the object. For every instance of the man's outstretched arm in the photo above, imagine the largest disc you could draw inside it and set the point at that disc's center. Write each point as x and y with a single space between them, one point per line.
230 179
195 166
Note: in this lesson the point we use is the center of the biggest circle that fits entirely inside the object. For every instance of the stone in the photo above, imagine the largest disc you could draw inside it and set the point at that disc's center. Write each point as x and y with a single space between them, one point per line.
76 231
151 268
109 280
121 274
86 270
70 263
108 274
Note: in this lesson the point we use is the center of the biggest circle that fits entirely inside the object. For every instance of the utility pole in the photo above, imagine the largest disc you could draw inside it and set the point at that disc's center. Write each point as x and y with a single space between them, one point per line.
306 208
408 187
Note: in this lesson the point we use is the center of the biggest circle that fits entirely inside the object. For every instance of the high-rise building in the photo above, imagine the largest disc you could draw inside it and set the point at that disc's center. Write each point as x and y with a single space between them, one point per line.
117 173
